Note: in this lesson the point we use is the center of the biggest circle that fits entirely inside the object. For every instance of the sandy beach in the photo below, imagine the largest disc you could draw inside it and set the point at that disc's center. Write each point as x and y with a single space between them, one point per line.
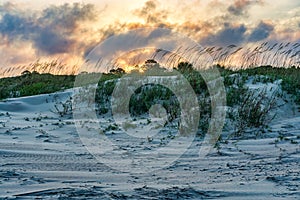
42 156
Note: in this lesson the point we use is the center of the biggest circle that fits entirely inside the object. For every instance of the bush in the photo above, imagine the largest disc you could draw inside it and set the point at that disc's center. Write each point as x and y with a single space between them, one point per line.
253 111
34 84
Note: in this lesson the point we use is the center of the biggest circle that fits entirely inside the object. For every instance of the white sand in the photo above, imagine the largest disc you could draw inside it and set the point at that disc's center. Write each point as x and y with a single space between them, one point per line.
41 155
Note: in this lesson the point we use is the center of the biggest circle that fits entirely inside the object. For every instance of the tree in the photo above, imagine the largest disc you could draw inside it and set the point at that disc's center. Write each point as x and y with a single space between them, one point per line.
117 71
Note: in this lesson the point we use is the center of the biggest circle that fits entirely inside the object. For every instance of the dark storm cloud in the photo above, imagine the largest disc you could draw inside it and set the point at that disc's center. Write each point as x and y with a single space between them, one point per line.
50 31
12 25
67 16
51 42
261 32
238 35
227 36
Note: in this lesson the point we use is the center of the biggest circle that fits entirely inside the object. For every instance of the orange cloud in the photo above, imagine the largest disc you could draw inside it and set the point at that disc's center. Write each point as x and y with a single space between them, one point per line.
69 32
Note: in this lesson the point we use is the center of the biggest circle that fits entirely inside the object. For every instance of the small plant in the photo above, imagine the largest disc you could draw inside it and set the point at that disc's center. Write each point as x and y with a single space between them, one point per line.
149 139
3 124
294 142
112 127
63 108
128 125
253 111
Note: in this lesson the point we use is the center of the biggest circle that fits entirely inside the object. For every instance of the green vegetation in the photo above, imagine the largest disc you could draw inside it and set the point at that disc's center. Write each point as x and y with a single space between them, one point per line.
34 83
290 77
248 109
253 111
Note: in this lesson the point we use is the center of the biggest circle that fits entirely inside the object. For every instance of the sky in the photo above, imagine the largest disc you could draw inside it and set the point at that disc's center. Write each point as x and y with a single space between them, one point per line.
66 31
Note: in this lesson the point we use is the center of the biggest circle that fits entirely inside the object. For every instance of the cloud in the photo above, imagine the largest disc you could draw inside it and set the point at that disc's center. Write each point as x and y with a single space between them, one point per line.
50 31
261 32
129 41
51 42
71 31
238 34
66 17
151 14
14 26
6 53
8 6
239 7
228 35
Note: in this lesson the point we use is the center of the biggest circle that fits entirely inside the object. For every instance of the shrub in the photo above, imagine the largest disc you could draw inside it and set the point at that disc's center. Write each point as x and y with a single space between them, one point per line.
63 108
34 84
253 111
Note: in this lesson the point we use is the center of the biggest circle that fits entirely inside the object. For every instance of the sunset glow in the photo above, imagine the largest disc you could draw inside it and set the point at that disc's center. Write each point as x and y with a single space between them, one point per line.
67 31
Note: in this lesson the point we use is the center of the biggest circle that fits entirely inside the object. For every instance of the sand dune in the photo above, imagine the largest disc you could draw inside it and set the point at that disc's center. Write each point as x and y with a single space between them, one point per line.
42 156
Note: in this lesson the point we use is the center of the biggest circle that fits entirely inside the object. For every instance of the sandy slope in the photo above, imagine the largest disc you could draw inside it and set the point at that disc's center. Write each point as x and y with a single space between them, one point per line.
41 155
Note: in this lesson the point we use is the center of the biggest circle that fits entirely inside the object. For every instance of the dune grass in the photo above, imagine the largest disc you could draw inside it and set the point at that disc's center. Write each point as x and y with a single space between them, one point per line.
146 96
33 84
290 77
